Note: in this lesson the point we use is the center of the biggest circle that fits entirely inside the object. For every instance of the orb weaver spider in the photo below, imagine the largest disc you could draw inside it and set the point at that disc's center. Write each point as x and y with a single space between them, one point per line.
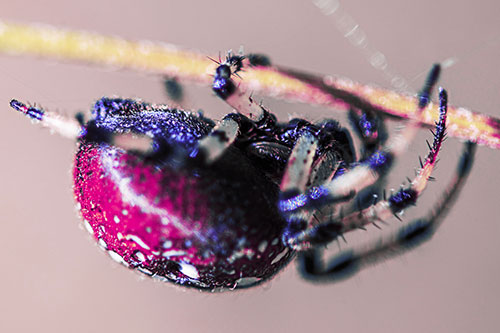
313 164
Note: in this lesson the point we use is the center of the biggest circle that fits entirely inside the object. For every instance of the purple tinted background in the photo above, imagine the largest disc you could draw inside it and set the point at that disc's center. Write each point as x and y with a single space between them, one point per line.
55 280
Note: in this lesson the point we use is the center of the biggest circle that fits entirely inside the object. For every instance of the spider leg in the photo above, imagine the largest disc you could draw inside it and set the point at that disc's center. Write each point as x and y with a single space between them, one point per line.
224 87
64 126
74 128
324 232
299 164
348 261
369 128
295 179
367 172
221 137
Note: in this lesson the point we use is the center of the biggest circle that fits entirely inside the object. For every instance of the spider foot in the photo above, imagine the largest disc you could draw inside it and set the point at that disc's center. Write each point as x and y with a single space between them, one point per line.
64 126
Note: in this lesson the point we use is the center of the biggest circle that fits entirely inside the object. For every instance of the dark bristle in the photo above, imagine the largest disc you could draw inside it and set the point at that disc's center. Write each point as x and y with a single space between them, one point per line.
428 144
397 216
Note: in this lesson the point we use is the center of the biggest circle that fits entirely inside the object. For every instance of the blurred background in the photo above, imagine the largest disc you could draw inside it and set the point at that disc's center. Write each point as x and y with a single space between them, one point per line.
53 277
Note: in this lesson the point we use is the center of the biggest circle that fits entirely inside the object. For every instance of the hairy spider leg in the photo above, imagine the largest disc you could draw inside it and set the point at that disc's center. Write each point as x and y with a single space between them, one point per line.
380 161
325 168
225 87
348 261
212 145
221 137
64 126
367 172
300 161
74 128
370 129
224 134
379 211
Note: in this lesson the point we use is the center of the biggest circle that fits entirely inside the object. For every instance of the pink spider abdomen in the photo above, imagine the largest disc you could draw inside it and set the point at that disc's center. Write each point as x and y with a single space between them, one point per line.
213 227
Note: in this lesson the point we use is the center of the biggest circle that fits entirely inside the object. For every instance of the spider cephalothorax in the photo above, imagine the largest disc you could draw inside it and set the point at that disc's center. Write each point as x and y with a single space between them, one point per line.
227 205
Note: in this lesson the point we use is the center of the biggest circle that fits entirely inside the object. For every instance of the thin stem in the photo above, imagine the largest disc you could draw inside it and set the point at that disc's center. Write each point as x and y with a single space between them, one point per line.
189 66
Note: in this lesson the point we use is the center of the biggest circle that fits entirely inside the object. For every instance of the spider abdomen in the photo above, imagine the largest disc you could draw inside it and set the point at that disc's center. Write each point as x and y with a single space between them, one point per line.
211 227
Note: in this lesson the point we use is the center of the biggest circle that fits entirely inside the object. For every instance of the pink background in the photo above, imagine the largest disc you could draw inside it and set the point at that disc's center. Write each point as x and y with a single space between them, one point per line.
53 277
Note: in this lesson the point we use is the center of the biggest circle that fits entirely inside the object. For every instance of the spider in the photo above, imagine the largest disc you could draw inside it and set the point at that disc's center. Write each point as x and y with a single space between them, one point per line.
227 205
